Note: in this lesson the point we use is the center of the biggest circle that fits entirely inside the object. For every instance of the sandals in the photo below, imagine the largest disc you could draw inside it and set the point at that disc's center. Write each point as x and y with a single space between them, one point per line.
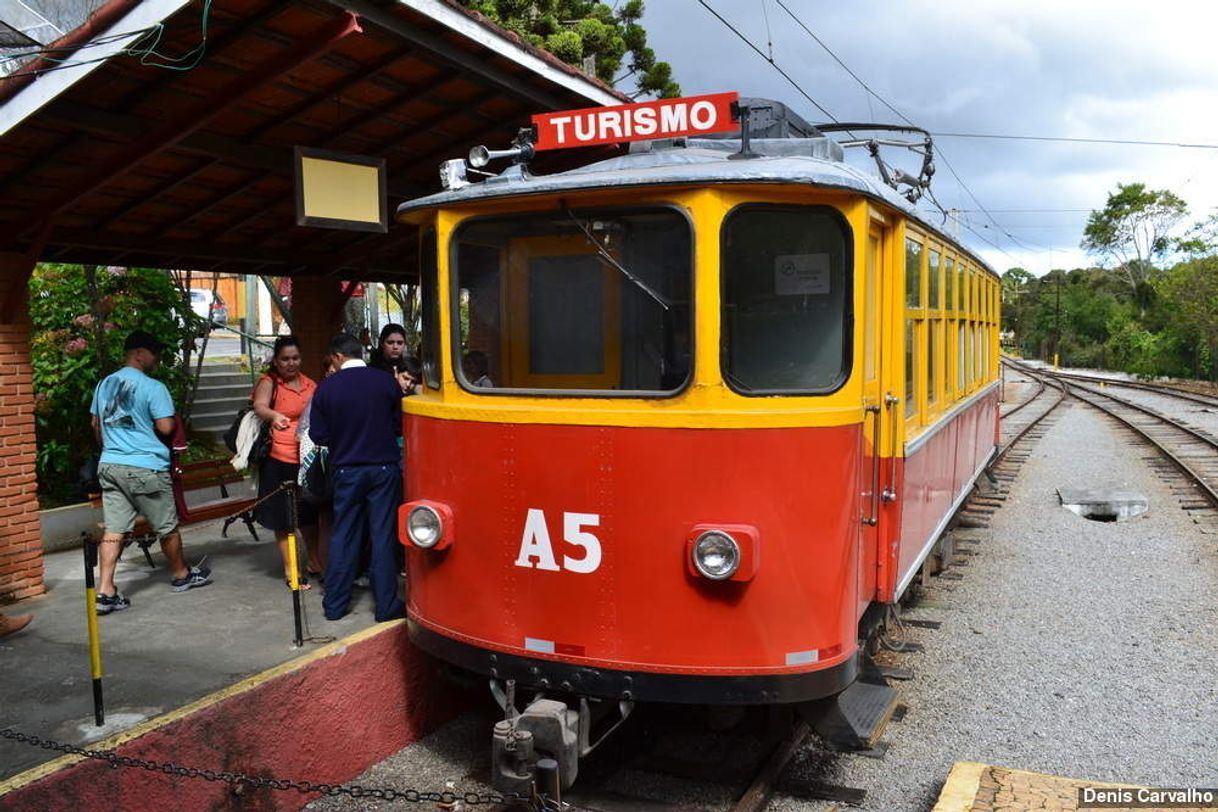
304 583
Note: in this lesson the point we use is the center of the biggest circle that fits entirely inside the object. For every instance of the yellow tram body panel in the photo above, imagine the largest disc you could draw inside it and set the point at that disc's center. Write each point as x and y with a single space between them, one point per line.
707 402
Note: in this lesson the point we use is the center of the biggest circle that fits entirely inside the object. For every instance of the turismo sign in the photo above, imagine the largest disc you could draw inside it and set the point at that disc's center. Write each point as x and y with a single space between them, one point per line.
665 118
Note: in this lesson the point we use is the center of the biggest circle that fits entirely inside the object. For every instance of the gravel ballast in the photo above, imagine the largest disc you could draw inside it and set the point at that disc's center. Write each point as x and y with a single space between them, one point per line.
1070 647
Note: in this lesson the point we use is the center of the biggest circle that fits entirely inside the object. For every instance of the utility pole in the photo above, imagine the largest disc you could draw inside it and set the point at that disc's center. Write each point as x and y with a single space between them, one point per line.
1057 326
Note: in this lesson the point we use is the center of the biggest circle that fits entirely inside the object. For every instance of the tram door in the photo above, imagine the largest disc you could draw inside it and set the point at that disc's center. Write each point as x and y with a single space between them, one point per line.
564 312
877 422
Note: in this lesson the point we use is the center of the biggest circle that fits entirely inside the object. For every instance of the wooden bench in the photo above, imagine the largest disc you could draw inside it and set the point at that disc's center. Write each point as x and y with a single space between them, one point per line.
187 477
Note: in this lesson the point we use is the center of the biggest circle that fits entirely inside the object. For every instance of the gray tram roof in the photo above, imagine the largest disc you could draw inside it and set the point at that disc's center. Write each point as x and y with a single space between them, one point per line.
814 161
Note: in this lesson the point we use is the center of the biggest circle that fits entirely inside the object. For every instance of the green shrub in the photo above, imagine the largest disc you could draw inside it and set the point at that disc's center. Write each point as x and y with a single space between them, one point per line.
70 319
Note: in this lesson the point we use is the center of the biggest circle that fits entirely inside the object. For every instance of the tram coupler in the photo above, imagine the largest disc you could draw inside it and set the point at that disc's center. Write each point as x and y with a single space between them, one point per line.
545 729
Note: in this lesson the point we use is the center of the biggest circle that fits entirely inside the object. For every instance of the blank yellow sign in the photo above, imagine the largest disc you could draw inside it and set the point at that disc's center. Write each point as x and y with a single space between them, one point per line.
340 191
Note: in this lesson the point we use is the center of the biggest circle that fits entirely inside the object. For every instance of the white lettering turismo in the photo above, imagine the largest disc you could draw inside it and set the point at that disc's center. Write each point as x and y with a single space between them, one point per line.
673 118
645 121
560 125
707 120
585 127
610 120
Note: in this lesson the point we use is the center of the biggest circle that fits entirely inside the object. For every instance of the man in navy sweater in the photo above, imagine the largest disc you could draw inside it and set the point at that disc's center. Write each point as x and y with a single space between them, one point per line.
357 413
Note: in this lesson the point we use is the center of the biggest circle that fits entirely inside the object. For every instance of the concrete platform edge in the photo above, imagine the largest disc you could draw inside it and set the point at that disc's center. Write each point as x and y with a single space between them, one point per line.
323 717
961 787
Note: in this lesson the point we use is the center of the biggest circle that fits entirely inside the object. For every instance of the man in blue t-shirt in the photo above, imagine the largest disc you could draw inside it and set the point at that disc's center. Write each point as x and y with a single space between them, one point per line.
129 410
357 413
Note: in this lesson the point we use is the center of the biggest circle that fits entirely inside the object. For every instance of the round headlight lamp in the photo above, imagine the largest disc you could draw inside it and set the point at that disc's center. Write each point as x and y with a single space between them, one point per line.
424 526
716 555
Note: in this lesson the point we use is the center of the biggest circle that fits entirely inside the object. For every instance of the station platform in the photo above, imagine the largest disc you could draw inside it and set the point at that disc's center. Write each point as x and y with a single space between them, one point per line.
215 647
974 787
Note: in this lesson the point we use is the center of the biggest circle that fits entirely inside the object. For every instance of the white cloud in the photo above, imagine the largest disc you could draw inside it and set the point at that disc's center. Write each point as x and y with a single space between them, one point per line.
1073 68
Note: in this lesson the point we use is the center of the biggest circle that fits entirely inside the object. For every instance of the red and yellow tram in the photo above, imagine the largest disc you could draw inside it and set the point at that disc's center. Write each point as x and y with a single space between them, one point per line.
691 418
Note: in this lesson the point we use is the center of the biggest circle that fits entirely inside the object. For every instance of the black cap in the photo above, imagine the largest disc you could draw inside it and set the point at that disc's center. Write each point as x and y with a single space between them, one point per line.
142 340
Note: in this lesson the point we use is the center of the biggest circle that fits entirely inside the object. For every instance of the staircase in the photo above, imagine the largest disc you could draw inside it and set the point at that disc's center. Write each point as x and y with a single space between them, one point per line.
223 389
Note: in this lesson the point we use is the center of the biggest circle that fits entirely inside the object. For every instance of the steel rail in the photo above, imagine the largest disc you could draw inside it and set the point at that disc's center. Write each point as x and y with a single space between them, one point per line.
1167 391
1039 389
1019 435
1161 422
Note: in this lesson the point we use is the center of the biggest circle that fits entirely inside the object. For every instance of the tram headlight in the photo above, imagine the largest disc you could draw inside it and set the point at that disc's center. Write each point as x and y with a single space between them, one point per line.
424 526
716 555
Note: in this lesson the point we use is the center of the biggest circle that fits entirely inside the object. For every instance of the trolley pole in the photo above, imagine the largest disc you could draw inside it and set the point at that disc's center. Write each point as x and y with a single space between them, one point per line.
95 663
291 489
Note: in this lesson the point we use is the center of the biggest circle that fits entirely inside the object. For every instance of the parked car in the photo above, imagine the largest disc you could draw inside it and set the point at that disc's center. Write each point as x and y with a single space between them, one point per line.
208 304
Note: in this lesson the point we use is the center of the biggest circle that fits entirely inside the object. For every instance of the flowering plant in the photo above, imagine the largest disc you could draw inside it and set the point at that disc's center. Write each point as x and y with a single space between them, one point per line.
80 318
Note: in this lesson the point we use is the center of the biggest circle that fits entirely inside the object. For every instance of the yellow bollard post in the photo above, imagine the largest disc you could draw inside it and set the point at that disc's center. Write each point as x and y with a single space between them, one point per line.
293 571
1056 361
95 663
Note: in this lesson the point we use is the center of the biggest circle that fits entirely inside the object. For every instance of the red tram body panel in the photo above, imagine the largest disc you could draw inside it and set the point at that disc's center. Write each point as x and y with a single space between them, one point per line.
641 609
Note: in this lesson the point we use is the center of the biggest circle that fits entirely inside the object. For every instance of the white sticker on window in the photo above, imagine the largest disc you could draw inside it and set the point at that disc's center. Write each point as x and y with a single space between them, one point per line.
801 274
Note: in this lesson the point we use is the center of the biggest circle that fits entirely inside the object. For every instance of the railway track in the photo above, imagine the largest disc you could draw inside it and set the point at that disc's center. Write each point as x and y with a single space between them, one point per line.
1166 390
1186 458
1191 452
1026 418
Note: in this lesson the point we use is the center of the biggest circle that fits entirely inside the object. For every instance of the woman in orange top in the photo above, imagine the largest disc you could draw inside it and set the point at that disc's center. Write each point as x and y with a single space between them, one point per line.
280 397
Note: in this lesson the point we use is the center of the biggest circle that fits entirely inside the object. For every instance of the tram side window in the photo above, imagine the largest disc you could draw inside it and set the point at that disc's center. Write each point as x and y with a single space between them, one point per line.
911 354
961 357
913 273
949 277
430 343
786 304
575 301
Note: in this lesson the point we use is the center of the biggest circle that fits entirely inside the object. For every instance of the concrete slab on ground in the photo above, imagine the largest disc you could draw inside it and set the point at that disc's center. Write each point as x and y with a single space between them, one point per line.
168 649
974 787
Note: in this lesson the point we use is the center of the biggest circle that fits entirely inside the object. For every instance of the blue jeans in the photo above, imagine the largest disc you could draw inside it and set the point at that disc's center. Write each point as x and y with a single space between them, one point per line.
365 501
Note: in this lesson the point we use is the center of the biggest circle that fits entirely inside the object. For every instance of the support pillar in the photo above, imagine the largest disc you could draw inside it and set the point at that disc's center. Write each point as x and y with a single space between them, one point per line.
316 318
21 570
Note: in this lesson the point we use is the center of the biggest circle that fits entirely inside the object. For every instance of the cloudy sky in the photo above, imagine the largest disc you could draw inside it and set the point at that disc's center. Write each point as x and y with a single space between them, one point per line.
1078 69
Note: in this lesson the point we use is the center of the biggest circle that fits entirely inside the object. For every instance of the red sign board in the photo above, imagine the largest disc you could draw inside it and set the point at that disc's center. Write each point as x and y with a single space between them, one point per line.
665 118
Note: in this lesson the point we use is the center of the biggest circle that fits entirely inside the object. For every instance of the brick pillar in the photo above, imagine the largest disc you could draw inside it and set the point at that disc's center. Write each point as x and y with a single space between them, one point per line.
20 528
317 315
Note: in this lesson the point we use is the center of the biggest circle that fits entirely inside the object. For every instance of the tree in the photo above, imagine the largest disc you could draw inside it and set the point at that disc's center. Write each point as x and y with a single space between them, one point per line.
588 34
1190 292
1201 239
1016 284
1133 230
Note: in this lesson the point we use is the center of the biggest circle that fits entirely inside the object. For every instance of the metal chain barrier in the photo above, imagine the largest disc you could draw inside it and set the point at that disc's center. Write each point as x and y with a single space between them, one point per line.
413 796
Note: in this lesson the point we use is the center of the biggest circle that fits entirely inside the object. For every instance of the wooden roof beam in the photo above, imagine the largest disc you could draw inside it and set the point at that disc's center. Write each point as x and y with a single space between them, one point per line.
200 113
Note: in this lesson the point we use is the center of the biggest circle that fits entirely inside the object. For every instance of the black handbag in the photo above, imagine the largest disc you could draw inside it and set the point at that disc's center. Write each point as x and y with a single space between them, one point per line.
260 449
316 487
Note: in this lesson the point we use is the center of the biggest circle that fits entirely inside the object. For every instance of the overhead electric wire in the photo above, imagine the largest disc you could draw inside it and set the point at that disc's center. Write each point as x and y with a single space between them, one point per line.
773 63
845 67
1068 140
941 154
147 54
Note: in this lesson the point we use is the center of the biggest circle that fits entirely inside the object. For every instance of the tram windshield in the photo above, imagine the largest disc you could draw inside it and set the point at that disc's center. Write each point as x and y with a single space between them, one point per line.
575 300
786 302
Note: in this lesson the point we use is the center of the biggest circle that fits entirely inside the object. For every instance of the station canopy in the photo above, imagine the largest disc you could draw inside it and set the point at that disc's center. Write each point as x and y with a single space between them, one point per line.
184 157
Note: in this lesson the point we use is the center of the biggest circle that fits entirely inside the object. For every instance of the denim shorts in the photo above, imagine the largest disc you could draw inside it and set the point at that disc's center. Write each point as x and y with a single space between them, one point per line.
128 492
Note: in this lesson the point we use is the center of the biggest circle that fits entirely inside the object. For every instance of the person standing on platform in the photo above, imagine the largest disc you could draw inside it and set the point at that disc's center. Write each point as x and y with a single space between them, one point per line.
280 398
357 414
129 411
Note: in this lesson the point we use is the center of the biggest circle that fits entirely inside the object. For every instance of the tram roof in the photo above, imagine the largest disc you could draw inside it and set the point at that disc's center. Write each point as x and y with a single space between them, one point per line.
813 161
